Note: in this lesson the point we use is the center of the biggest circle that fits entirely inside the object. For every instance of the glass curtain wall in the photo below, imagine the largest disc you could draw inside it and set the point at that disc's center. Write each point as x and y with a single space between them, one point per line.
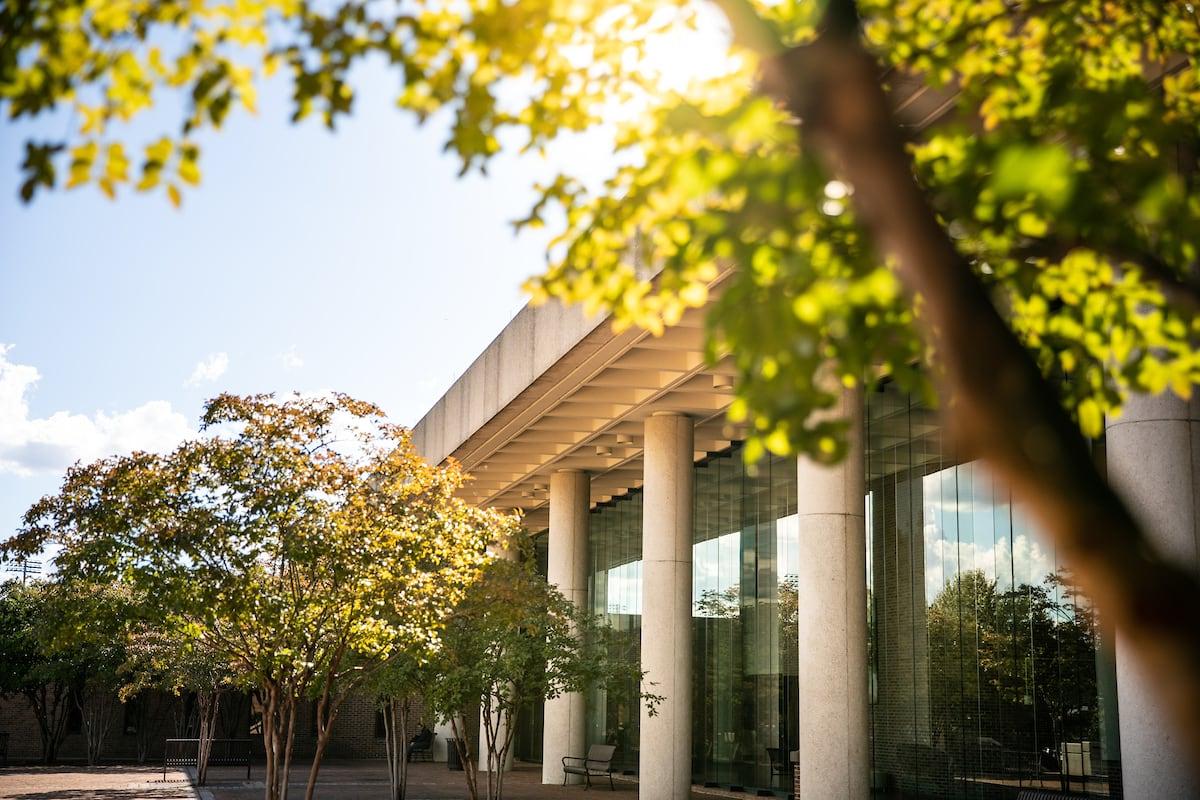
531 717
989 672
744 567
615 593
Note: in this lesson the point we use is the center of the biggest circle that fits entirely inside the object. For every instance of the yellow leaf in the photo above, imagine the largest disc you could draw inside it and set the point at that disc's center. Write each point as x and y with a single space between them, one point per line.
117 164
1091 419
173 194
189 172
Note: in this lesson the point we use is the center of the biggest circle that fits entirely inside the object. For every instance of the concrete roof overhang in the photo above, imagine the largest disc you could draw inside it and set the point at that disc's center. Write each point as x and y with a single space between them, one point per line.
556 390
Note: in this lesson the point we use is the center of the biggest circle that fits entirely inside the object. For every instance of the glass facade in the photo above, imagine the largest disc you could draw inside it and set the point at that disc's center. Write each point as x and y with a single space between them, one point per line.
744 616
989 673
744 567
531 717
615 594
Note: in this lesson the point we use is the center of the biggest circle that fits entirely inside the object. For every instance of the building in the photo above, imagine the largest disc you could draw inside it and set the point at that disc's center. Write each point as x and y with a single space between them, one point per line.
894 624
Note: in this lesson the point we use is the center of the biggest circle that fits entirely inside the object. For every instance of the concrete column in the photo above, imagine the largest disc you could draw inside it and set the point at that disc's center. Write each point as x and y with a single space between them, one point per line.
665 767
443 732
1153 452
510 553
832 620
564 732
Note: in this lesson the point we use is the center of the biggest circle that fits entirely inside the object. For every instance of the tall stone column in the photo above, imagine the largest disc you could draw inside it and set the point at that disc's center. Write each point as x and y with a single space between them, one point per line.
831 609
564 732
665 767
1153 452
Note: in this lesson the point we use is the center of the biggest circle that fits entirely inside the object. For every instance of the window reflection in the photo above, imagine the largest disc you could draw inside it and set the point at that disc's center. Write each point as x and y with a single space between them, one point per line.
615 594
744 616
989 671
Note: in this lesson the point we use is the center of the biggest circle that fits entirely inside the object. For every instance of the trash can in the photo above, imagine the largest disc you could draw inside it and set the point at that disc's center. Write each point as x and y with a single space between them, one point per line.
453 761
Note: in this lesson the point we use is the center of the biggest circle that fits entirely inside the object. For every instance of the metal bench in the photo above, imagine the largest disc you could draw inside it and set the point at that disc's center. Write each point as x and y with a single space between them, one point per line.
224 753
598 762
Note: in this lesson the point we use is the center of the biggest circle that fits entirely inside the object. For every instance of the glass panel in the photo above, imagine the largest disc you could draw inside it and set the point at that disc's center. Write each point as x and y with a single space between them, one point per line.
989 672
744 616
615 594
531 717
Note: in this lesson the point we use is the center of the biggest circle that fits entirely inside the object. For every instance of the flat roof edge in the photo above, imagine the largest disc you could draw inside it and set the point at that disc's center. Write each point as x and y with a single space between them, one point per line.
530 344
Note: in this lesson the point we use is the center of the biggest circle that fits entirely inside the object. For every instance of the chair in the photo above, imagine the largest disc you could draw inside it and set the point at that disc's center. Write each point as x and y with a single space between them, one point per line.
597 762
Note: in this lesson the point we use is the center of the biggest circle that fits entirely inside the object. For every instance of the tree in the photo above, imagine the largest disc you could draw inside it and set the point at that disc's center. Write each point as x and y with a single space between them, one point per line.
45 680
513 641
1008 663
166 658
61 644
398 684
1038 225
299 541
87 626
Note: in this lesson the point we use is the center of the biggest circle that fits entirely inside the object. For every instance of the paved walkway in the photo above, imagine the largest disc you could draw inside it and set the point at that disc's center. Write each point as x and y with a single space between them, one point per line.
350 780
343 780
339 780
93 783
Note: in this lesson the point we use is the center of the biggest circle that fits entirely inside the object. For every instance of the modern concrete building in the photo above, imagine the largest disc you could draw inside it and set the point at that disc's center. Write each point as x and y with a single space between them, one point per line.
893 627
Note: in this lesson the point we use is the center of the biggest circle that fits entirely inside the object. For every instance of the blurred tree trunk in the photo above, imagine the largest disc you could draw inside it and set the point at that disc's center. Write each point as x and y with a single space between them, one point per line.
995 401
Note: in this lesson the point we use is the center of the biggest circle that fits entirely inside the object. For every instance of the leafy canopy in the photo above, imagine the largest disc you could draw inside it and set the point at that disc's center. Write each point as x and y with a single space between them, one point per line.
296 541
516 630
61 632
1060 153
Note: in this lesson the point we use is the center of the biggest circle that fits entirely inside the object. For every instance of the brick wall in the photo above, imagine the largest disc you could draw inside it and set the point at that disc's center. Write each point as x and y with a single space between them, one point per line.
355 733
120 744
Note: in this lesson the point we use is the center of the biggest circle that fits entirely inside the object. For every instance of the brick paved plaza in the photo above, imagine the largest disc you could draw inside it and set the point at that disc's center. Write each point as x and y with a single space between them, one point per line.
340 780
122 782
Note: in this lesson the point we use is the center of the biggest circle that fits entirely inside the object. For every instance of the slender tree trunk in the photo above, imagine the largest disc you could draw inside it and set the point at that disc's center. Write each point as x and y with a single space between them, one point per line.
327 712
49 704
395 740
279 717
464 753
208 704
268 734
997 404
488 745
289 744
509 721
96 711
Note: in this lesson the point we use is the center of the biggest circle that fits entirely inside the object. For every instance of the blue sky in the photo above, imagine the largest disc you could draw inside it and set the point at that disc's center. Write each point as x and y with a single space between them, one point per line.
307 260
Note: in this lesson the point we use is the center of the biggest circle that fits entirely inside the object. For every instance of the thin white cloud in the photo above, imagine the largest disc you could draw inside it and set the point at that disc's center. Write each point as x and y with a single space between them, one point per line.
209 369
291 359
30 445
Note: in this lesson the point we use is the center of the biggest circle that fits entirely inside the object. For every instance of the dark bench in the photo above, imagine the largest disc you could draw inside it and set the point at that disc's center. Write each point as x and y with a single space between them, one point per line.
1047 794
224 753
3 749
598 762
420 747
